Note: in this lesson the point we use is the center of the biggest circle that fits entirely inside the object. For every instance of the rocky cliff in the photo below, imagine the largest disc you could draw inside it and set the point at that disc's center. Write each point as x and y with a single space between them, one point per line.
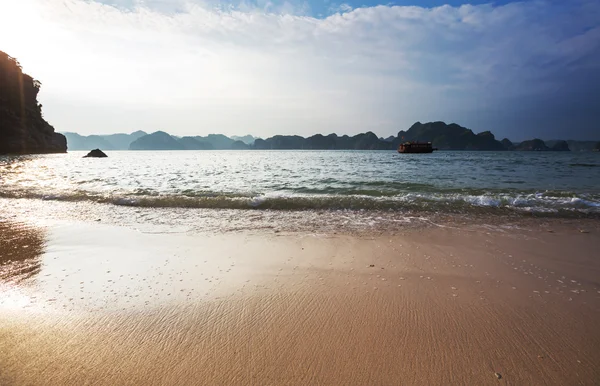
23 130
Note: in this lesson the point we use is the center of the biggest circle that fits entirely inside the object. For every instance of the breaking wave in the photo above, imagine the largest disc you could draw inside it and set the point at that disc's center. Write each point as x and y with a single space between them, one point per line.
557 203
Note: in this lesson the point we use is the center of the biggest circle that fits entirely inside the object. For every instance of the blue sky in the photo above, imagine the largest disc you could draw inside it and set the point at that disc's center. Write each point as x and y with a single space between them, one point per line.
520 69
314 8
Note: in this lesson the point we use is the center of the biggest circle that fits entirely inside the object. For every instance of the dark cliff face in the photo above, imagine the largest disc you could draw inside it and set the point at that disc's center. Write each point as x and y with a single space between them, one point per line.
23 130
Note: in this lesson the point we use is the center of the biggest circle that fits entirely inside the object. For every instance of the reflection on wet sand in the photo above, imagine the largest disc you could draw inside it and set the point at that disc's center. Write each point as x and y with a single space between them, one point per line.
21 247
94 267
114 305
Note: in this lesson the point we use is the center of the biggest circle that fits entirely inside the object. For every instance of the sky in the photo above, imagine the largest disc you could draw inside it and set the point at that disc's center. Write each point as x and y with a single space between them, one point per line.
264 67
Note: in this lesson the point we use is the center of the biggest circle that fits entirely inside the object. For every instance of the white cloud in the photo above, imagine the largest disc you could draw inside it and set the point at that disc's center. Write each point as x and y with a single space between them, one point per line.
270 69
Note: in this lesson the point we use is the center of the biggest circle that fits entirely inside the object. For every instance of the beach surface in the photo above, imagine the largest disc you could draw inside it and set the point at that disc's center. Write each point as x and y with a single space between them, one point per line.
86 302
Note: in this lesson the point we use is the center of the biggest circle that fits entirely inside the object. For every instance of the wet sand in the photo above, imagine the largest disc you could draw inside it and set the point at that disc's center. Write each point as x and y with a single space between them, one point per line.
88 303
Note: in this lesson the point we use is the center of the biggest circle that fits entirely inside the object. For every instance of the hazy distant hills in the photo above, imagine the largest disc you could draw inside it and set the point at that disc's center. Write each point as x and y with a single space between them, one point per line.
247 139
163 141
157 141
443 136
539 145
105 142
366 141
575 145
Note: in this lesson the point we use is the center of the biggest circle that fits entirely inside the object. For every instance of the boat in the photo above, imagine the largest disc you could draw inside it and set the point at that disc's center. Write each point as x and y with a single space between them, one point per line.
416 147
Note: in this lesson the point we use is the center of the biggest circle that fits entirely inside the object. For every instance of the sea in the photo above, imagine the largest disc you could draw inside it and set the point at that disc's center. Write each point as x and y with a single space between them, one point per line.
247 189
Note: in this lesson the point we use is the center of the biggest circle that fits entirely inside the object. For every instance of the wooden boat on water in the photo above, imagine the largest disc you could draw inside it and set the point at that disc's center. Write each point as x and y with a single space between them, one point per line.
416 147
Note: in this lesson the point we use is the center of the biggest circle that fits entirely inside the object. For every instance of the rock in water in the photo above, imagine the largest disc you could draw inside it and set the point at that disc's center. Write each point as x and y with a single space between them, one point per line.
23 130
96 153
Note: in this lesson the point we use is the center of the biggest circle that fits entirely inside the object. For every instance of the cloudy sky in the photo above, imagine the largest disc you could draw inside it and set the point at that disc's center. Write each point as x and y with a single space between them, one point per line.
520 69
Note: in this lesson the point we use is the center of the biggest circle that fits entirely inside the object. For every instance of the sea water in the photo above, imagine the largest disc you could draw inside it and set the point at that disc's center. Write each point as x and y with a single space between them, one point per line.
559 183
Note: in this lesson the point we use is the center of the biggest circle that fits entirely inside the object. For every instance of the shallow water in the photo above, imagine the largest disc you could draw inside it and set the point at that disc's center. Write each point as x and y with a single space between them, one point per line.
456 182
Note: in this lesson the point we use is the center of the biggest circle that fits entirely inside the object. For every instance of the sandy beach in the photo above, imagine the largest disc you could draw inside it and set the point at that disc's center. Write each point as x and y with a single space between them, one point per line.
425 306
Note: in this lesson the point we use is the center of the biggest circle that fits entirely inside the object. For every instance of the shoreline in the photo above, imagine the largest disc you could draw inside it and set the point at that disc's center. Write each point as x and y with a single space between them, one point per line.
218 221
457 303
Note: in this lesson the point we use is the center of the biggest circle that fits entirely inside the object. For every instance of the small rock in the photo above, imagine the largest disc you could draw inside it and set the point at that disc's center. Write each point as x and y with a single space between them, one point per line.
583 231
96 153
371 265
498 375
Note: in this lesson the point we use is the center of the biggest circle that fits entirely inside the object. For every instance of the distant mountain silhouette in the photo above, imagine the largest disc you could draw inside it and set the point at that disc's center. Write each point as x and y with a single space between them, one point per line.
163 141
539 145
532 145
449 137
559 146
80 142
218 141
443 136
239 145
157 141
23 130
247 139
122 141
574 145
107 142
365 141
508 145
191 143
